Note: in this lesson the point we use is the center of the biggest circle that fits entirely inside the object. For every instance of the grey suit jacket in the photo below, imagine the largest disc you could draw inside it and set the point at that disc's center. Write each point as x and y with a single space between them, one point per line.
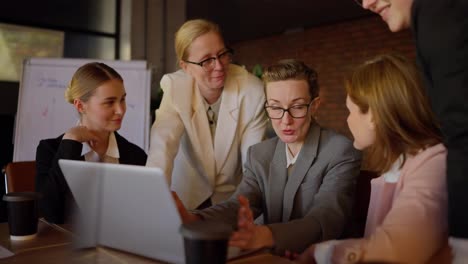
310 206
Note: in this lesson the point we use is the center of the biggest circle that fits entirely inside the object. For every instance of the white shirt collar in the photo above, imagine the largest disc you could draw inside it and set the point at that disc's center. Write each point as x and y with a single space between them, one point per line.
214 106
290 159
112 148
393 174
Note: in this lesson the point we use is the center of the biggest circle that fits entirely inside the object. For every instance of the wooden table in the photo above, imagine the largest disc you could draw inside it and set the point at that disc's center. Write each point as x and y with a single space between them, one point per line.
53 244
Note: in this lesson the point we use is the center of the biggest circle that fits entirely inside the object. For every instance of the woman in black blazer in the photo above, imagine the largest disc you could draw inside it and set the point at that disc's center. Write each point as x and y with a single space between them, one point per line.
98 93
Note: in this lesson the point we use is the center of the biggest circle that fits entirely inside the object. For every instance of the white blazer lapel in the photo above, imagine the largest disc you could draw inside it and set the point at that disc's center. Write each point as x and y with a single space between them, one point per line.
192 112
226 127
188 106
203 144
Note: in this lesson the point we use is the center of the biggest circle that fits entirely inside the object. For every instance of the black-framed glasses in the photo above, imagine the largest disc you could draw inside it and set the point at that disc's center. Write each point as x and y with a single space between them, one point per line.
295 111
209 64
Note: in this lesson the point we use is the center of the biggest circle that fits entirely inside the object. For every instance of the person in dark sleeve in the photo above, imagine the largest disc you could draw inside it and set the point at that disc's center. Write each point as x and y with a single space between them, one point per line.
97 92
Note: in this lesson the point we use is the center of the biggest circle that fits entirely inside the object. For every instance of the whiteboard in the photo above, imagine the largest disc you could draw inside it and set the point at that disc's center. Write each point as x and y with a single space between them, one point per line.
44 113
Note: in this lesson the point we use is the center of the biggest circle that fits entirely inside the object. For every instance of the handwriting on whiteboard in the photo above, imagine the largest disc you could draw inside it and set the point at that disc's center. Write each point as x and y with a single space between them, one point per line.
49 82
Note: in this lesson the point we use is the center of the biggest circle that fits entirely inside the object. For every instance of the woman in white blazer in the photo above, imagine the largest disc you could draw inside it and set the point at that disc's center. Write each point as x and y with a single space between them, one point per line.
211 112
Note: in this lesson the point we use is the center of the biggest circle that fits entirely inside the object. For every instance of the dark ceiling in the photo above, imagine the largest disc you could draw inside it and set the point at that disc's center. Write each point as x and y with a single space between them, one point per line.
250 19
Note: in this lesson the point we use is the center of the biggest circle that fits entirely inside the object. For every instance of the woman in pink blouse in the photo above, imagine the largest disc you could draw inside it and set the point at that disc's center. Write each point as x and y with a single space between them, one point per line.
390 116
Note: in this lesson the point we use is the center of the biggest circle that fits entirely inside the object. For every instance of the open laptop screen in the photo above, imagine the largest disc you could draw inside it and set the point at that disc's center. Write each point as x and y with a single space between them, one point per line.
126 207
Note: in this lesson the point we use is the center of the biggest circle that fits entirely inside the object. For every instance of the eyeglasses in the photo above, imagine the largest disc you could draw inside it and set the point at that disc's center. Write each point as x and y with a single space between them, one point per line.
295 111
209 64
359 2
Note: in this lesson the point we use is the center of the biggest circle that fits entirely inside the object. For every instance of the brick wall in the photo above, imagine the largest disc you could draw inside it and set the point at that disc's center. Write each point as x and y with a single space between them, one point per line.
331 50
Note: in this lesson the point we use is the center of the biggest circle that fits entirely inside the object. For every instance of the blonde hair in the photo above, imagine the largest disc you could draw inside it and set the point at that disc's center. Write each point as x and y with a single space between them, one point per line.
291 69
189 31
87 78
390 86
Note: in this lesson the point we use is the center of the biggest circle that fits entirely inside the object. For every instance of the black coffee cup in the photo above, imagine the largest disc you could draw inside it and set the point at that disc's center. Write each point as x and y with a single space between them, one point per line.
22 214
205 242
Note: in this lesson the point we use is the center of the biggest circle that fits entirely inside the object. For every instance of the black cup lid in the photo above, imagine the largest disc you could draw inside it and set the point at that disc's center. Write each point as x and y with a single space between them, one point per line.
210 230
21 196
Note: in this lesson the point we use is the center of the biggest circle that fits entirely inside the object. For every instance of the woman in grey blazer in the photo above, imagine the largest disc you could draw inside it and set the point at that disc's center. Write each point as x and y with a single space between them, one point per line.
302 181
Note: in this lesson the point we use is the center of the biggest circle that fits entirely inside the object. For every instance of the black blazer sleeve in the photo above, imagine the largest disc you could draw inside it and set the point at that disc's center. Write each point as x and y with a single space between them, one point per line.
50 181
56 196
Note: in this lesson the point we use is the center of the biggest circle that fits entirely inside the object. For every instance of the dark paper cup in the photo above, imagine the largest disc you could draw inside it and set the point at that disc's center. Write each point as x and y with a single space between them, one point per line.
205 242
22 214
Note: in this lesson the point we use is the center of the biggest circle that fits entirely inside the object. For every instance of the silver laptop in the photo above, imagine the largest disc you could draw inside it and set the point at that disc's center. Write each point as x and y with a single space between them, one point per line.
127 207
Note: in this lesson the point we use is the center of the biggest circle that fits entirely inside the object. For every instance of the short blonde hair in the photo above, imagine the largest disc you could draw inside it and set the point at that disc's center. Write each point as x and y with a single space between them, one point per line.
390 86
87 78
189 31
291 69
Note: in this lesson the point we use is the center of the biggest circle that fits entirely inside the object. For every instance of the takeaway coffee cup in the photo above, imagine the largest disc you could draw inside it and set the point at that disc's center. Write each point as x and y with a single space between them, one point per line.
22 214
205 242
